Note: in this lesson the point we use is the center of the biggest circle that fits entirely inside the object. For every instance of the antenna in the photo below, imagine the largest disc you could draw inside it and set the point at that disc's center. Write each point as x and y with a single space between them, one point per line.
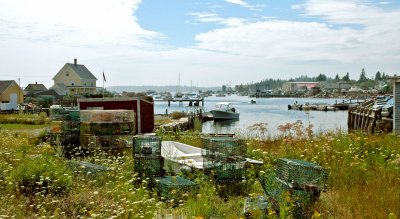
179 82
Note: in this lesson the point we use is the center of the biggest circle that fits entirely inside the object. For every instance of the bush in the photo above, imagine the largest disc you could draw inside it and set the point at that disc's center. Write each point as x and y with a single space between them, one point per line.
178 115
41 175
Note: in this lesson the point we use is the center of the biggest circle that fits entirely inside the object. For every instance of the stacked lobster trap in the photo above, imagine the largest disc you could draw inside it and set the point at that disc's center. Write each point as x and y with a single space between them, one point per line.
148 162
224 157
106 129
147 155
64 126
302 181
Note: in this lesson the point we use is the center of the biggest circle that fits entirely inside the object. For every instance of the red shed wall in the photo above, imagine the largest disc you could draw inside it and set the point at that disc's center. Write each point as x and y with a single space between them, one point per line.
146 110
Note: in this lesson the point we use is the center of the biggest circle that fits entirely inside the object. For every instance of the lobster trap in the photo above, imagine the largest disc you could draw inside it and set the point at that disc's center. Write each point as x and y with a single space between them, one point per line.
227 146
149 165
147 145
225 168
302 174
175 187
256 207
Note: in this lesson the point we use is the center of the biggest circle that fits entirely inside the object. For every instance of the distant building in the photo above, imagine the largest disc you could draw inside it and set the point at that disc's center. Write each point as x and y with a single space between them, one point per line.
31 89
11 95
298 86
335 86
57 91
77 78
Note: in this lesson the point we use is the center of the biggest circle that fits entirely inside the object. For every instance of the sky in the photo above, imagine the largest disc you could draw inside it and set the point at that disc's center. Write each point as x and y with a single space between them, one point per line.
200 42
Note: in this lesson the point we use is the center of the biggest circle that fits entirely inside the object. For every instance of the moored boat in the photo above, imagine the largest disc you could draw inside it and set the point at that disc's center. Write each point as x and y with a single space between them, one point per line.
224 111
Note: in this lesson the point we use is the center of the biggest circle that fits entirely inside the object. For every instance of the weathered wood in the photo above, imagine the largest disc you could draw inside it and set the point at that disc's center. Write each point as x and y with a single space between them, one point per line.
366 119
349 118
363 119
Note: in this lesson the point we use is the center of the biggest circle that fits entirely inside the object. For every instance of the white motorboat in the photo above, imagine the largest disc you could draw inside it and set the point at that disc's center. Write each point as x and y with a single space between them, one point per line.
224 111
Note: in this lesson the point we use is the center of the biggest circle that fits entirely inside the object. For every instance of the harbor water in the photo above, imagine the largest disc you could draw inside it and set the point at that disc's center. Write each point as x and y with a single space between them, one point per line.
273 111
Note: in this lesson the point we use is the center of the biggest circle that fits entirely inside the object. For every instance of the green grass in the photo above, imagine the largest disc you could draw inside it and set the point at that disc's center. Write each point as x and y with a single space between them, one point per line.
364 179
22 118
14 126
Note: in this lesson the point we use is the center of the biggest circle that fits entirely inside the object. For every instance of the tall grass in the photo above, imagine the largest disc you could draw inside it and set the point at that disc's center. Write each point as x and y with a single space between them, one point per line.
364 178
22 118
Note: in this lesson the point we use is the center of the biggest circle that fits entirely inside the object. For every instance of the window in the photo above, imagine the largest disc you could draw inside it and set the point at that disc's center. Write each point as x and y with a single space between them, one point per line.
67 74
72 83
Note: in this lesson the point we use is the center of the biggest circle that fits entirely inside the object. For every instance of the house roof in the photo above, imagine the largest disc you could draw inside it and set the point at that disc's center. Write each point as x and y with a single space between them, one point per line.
35 87
60 89
5 84
82 71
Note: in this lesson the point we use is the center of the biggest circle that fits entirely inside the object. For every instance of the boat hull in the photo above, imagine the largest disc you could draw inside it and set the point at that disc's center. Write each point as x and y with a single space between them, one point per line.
187 155
222 115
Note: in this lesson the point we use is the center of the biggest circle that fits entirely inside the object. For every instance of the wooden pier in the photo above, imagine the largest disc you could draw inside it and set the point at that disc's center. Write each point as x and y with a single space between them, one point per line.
191 102
344 104
368 120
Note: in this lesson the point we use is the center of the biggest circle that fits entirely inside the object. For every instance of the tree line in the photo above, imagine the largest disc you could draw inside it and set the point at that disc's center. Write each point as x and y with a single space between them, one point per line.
271 83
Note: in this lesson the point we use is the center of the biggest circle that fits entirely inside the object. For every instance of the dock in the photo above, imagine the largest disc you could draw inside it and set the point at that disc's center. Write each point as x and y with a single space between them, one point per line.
190 101
344 104
368 120
338 105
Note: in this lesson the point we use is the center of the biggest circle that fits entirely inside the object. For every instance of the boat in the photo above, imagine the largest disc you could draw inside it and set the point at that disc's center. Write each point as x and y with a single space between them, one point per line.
252 101
186 155
224 111
295 106
308 106
182 154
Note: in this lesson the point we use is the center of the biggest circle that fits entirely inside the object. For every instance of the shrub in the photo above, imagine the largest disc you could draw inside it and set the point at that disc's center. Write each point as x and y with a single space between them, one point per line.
178 115
41 175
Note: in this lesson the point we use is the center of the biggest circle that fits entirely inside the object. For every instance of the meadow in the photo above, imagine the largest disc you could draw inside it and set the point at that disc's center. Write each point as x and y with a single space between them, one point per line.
37 182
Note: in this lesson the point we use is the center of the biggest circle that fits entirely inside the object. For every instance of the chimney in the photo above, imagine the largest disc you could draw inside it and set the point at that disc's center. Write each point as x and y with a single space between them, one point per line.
75 62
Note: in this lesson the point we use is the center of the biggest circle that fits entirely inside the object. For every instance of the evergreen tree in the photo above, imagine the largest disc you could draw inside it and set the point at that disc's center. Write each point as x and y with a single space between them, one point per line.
363 77
346 77
337 77
384 76
378 76
321 77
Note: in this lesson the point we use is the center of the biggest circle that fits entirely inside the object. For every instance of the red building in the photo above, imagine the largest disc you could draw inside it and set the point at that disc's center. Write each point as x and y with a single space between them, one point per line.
143 108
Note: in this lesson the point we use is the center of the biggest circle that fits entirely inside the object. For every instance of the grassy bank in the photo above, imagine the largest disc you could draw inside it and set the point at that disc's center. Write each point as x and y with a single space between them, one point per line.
22 118
364 179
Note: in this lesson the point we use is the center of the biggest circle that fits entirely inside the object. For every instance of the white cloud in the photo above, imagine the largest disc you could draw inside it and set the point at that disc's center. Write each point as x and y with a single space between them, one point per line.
238 2
213 18
73 22
245 4
374 41
343 11
36 39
